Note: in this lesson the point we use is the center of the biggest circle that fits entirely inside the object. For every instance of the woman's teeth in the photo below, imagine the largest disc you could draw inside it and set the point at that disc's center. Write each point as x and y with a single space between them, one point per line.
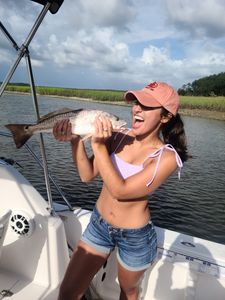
137 121
138 118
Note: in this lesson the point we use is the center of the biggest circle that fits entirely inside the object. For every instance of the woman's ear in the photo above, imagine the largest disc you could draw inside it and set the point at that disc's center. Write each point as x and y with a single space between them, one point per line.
167 118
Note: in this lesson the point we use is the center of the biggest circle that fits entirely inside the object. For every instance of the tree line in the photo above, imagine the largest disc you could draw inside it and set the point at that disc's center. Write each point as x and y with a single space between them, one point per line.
213 85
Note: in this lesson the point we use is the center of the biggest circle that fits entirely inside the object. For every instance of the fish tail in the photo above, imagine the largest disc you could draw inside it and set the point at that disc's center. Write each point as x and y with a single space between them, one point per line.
20 133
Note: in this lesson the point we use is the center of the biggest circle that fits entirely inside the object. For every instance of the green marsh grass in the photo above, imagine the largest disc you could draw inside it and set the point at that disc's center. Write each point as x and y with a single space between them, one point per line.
187 102
208 103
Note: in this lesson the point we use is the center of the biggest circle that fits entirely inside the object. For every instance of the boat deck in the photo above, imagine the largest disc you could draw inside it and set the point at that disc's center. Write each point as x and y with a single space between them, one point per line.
14 287
176 281
168 279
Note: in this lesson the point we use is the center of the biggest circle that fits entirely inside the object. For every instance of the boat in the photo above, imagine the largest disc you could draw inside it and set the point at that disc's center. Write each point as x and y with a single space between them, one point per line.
36 243
38 235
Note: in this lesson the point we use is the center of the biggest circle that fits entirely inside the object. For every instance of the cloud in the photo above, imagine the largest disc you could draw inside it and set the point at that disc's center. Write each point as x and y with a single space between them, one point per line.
124 43
97 50
201 19
108 13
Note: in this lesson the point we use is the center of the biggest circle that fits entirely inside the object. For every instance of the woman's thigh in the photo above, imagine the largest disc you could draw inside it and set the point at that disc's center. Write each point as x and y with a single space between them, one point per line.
129 279
84 264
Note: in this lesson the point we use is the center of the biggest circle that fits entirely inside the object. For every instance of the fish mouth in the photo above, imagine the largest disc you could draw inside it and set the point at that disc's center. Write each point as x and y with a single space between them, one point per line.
123 123
119 126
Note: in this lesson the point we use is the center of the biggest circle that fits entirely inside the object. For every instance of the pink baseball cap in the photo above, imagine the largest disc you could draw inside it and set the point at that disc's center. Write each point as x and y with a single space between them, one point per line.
156 94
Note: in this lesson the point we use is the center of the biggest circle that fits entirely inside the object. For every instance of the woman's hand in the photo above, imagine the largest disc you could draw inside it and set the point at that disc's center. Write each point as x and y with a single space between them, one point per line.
103 130
62 131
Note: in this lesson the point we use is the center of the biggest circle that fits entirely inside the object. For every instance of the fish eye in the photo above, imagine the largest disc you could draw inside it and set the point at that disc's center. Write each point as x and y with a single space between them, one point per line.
117 118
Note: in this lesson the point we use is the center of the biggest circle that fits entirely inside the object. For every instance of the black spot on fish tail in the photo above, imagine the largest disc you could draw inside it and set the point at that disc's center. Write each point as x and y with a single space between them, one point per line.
20 133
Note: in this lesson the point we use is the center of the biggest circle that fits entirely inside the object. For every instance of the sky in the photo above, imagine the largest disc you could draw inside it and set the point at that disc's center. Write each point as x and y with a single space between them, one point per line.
116 44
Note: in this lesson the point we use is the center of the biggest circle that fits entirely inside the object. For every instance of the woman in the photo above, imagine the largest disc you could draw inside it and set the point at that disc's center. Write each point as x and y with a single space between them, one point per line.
132 164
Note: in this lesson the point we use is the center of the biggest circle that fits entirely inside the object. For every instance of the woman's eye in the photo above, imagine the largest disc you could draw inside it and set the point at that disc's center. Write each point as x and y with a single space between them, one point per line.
136 102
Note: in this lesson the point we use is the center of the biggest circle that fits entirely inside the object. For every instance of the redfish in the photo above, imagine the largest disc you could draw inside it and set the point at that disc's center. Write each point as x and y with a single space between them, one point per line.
82 122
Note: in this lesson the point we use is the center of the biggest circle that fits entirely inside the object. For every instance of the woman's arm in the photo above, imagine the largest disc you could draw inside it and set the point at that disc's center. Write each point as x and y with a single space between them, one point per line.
86 166
135 186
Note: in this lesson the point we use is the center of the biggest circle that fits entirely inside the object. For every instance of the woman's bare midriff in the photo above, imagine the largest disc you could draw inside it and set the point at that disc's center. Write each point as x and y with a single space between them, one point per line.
115 211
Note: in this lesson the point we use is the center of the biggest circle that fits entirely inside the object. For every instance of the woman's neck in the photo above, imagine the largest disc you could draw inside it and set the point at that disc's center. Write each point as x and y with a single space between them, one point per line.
151 140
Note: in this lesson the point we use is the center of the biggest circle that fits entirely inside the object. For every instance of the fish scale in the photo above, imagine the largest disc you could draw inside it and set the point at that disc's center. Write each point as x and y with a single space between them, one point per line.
82 122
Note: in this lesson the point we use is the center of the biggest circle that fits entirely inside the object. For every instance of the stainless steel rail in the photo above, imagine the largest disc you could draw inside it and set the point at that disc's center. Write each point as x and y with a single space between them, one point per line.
24 51
36 158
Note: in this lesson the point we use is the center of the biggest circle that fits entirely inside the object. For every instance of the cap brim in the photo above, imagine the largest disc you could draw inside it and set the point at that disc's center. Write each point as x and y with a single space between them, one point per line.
143 97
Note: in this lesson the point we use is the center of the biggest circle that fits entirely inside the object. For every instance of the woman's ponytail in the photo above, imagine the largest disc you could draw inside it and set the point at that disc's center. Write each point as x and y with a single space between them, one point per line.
173 133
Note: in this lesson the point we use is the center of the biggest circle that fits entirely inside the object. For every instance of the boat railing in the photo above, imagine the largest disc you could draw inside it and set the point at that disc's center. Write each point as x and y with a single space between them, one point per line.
38 160
23 51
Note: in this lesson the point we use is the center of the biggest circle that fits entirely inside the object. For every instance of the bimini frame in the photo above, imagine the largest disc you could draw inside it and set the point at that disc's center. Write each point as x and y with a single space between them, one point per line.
23 51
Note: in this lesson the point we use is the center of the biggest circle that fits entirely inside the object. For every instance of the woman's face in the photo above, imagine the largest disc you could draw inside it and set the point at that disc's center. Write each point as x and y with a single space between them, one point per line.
145 119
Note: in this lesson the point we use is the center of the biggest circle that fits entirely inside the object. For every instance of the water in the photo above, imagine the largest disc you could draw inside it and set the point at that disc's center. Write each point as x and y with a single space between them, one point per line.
194 205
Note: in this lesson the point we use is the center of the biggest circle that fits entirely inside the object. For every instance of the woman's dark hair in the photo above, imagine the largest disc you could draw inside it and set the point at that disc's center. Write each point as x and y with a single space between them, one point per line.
173 133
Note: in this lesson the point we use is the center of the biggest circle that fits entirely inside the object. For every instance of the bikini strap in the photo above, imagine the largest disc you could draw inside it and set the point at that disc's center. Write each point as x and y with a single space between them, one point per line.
159 154
123 137
177 156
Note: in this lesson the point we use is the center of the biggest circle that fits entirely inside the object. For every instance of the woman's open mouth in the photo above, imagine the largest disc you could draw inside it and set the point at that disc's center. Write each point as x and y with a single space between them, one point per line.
137 121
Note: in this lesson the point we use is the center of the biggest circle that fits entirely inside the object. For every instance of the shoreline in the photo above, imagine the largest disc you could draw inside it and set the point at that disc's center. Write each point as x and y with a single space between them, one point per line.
199 113
203 113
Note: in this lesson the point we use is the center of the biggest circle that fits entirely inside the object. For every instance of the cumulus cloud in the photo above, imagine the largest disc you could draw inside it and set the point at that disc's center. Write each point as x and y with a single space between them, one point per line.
136 42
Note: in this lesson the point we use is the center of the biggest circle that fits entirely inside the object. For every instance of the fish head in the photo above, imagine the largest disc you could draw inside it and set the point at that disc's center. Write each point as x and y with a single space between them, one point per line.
117 123
83 122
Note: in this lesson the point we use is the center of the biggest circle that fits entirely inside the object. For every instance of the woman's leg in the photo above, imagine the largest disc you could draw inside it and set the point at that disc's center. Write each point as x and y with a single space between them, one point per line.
129 283
84 264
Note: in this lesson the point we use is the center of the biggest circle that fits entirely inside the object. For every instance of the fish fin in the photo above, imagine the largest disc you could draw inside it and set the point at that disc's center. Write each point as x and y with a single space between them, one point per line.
58 112
86 137
20 133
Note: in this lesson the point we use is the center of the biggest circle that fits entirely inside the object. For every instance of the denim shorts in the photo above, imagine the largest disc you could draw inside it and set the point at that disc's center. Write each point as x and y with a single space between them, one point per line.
136 247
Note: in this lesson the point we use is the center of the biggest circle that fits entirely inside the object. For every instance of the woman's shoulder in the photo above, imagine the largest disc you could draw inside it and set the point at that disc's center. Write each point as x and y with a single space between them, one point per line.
170 156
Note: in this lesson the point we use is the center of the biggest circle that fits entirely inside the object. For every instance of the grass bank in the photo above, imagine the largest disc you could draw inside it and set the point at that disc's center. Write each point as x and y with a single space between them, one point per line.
100 95
210 107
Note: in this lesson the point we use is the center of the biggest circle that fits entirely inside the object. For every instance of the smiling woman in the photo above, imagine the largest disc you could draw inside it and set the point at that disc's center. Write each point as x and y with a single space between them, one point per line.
132 164
165 98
